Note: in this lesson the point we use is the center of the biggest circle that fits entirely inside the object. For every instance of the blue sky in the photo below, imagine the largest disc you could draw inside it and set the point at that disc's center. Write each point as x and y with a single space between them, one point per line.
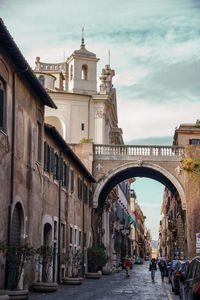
155 50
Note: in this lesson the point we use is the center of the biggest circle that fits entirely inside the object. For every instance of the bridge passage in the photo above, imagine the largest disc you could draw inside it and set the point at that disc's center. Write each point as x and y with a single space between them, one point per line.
128 152
115 163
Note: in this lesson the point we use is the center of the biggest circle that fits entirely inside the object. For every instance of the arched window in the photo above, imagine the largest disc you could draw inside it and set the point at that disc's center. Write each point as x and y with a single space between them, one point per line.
42 80
2 104
71 72
84 72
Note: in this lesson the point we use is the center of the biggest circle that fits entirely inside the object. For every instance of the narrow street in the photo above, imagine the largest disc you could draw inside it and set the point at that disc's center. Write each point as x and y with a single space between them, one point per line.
116 286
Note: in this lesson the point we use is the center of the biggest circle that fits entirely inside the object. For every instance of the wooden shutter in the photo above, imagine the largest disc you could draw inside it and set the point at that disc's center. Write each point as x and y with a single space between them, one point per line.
52 158
45 156
60 168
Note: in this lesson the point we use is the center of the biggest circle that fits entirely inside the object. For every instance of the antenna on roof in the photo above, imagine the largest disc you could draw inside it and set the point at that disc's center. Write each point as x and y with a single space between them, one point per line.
109 57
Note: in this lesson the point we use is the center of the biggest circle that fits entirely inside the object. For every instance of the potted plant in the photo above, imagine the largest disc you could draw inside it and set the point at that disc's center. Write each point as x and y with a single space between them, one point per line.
44 282
16 255
74 261
97 258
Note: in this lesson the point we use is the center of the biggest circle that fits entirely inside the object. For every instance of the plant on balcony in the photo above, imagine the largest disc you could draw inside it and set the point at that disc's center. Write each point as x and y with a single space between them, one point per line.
97 258
84 140
197 125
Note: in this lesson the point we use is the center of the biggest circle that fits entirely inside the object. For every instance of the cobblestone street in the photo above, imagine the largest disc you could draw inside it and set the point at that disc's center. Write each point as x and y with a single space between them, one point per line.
116 286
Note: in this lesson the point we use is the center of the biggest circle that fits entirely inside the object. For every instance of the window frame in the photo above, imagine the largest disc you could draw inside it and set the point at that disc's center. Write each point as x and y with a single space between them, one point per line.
4 92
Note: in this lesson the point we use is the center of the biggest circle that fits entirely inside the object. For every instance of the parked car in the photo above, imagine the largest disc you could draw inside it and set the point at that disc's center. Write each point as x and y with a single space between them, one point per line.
176 277
183 276
139 261
171 270
192 281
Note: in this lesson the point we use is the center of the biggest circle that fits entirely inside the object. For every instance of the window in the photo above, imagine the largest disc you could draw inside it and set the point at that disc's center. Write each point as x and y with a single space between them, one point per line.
63 236
85 193
70 235
80 188
56 162
75 236
55 230
39 141
84 72
71 72
90 199
82 126
2 104
72 181
194 142
66 175
49 158
79 238
42 80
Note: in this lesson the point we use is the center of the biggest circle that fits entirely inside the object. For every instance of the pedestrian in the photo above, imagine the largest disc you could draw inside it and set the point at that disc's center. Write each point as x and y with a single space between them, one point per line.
127 265
153 268
162 267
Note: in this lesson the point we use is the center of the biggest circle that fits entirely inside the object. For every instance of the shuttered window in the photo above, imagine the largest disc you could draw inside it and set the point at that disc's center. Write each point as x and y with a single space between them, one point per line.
85 193
66 176
90 199
80 188
49 158
72 181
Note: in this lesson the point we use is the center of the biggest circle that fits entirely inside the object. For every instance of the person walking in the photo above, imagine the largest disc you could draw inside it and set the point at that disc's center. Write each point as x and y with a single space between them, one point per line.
127 265
153 268
162 267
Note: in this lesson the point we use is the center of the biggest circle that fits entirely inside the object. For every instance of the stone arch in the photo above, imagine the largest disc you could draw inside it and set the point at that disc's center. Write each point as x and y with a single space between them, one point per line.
124 169
58 124
17 224
16 236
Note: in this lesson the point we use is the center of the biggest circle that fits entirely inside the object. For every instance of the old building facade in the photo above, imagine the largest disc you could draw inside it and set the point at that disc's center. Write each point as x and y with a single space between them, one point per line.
43 182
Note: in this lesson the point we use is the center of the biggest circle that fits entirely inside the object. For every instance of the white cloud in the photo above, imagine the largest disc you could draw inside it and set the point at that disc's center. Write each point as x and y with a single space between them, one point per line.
141 119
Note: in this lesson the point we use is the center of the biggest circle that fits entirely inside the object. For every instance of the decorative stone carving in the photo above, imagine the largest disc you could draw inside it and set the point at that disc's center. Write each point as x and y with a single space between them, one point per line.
98 168
178 170
140 163
100 114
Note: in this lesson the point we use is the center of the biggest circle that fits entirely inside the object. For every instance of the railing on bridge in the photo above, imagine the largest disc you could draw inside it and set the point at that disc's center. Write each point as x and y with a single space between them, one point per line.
136 150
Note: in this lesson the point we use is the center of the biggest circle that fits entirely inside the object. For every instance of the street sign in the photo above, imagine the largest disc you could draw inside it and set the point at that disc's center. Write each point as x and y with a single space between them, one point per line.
197 250
176 252
197 238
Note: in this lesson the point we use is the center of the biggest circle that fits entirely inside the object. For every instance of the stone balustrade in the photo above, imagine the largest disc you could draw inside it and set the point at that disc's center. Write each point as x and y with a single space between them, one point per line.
102 151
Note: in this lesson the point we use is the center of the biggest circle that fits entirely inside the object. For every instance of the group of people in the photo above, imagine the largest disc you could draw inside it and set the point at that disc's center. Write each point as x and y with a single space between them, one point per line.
153 267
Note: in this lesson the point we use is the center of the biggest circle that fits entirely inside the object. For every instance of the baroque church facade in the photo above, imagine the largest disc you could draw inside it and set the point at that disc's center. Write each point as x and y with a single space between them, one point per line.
86 115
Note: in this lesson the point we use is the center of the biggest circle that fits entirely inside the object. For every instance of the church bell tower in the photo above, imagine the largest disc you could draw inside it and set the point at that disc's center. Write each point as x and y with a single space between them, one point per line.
82 71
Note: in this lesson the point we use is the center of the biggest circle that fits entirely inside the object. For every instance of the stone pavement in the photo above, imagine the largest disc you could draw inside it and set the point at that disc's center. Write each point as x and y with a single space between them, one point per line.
137 287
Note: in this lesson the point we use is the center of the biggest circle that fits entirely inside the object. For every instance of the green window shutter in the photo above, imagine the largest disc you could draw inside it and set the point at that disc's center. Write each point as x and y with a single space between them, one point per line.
60 168
52 157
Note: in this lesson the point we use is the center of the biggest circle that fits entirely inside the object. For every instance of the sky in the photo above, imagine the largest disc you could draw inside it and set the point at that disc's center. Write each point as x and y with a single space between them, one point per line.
154 46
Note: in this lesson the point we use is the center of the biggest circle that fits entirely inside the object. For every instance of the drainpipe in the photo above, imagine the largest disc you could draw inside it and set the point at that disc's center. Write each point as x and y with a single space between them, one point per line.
12 160
83 230
59 228
89 102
